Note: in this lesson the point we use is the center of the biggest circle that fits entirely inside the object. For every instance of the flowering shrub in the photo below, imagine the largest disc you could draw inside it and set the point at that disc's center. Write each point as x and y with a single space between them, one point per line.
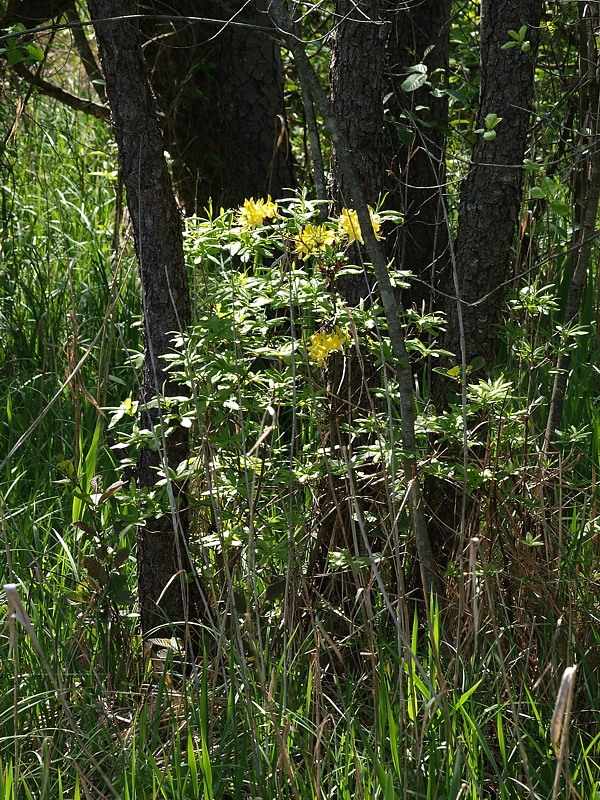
259 413
323 344
254 212
349 226
313 239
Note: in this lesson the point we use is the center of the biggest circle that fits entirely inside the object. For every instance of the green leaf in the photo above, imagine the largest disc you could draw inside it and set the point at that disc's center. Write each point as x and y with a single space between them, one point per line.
537 193
121 557
414 81
114 487
95 570
34 52
509 45
389 793
491 121
14 56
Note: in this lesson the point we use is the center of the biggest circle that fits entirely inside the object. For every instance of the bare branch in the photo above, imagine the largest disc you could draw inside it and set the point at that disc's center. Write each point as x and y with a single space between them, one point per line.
71 100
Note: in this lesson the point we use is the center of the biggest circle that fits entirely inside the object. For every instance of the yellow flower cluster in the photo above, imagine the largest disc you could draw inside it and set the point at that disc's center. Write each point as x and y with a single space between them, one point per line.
313 239
323 344
254 212
349 227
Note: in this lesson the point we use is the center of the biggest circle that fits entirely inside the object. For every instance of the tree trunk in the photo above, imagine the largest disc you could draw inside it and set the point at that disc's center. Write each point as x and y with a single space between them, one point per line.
490 200
590 111
416 145
491 194
355 120
356 74
157 230
219 91
254 139
31 12
357 86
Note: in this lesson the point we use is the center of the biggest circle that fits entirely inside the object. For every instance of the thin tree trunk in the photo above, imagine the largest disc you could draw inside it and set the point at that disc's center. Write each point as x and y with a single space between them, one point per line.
157 230
88 59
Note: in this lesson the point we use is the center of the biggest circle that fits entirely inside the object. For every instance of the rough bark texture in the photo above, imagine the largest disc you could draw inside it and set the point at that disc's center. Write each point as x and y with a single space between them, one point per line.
357 86
180 56
219 90
32 12
490 200
157 230
589 116
491 194
255 147
352 179
415 144
357 75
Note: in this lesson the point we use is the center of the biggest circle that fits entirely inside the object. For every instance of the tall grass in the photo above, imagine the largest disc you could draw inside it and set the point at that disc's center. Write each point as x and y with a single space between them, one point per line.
382 695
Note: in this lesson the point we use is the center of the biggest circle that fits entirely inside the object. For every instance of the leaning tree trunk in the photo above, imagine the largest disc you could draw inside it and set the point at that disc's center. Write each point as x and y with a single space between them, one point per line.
490 200
416 144
158 241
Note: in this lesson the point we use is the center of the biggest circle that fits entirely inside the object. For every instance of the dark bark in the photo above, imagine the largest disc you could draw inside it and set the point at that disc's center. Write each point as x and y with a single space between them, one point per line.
254 140
589 116
32 12
219 90
431 580
357 78
357 86
158 241
490 200
491 194
415 146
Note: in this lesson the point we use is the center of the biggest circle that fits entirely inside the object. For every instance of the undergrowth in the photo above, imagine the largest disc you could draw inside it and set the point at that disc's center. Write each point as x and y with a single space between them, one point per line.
320 676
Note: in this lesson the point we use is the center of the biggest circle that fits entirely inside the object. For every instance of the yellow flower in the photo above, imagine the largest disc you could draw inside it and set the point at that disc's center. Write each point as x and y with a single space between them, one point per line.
323 344
254 212
349 227
313 239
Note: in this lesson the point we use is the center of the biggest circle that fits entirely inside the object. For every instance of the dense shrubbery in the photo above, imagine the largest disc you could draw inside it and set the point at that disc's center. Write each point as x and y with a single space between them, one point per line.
302 688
